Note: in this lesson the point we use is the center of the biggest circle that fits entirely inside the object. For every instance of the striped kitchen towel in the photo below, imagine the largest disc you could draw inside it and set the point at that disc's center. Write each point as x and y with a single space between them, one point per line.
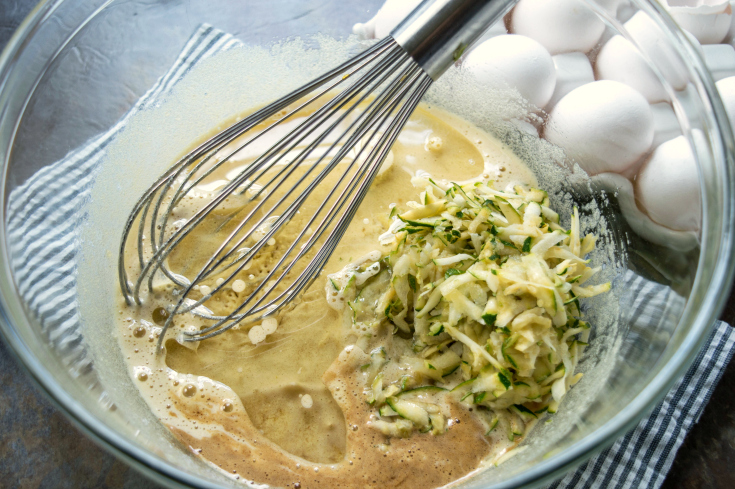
642 457
44 213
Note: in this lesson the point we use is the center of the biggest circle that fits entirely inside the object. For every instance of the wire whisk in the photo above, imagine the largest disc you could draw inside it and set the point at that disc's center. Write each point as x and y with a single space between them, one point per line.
334 133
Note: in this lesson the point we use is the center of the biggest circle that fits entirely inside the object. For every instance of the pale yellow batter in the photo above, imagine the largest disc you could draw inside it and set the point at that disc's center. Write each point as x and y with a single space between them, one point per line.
290 411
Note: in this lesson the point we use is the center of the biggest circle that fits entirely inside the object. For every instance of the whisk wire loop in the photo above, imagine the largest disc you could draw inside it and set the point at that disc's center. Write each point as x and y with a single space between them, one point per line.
369 166
263 164
223 138
307 277
305 194
356 112
208 269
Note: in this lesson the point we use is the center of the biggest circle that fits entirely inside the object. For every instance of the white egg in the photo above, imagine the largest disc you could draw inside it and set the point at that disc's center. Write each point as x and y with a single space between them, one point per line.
667 186
572 70
726 87
655 44
720 60
639 222
561 26
621 61
388 17
708 20
603 126
517 62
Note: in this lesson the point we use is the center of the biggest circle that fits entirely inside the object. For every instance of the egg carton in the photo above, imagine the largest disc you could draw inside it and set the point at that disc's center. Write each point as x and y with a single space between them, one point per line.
599 97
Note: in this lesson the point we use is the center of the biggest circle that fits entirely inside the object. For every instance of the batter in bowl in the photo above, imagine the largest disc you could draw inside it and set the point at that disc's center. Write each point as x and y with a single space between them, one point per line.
285 405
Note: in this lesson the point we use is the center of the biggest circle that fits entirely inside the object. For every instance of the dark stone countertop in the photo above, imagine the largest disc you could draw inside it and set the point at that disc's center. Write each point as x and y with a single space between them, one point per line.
41 448
706 459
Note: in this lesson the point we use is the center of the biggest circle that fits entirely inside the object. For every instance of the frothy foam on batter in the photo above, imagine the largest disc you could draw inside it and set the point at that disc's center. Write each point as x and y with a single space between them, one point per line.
195 406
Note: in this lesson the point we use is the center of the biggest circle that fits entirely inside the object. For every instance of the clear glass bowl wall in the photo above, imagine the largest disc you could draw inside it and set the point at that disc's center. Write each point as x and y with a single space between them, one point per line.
75 67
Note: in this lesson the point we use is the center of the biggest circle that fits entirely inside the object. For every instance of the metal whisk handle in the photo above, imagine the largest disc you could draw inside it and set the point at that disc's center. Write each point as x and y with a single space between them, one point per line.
437 32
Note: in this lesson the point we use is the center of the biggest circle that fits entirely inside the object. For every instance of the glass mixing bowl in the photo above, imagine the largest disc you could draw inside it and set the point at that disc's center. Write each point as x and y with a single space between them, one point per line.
75 67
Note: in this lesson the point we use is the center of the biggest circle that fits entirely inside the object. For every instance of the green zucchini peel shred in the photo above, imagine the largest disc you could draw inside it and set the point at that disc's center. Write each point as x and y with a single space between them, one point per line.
482 290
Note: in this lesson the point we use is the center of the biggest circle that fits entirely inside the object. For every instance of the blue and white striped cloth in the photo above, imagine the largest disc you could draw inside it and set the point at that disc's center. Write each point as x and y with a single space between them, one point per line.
44 213
643 457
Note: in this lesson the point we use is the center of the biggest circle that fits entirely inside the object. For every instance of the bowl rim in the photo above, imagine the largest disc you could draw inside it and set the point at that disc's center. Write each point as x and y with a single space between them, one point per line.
702 320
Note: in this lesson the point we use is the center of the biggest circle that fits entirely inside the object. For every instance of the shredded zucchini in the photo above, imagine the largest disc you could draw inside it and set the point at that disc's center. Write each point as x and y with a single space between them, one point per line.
482 291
